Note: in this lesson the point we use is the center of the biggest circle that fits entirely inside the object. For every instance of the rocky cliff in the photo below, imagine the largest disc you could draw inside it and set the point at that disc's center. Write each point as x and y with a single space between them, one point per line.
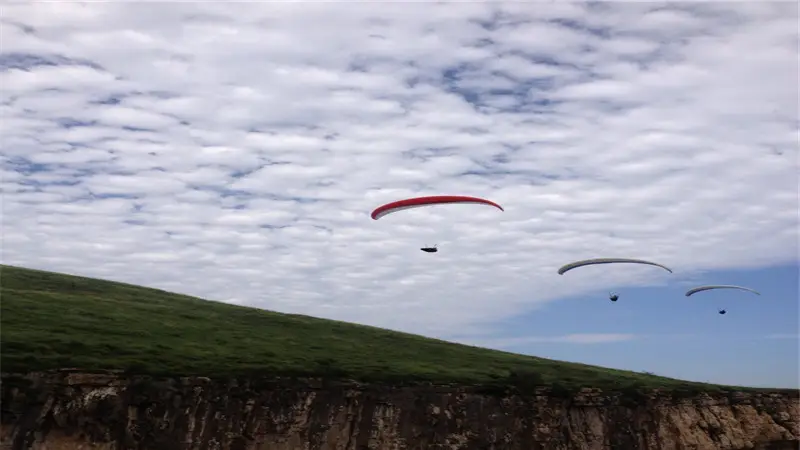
72 410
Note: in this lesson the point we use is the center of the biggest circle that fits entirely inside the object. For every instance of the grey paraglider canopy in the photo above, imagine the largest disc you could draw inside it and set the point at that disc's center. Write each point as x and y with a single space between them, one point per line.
719 286
588 262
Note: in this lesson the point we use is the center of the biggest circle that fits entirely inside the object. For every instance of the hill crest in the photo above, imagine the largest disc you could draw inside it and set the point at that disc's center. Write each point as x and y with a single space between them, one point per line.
52 321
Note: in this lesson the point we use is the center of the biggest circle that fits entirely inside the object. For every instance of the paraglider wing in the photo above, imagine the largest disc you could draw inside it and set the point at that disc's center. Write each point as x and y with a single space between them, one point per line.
588 262
718 286
418 202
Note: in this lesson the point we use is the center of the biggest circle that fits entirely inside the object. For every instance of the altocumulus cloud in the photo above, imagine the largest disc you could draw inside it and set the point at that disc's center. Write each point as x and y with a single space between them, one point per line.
234 152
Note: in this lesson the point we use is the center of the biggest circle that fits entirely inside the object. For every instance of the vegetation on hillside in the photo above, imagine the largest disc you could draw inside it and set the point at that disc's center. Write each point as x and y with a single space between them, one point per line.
52 320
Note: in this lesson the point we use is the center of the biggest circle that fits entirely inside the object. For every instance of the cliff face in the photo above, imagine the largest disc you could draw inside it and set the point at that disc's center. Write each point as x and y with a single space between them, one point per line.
71 411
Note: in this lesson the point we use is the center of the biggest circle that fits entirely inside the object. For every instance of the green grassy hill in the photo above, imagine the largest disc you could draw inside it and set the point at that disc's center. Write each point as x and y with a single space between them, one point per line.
52 320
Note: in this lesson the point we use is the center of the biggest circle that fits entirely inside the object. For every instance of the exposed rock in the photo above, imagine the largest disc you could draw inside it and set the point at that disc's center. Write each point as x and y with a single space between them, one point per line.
70 410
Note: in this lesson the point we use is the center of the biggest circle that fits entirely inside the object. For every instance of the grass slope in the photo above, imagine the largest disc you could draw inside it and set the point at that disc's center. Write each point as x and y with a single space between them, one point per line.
52 320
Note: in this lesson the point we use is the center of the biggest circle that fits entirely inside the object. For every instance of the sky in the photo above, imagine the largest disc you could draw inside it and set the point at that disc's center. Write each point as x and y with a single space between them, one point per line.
235 152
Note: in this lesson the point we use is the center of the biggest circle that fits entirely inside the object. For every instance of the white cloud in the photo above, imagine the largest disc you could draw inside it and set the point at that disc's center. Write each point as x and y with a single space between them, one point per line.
579 338
235 153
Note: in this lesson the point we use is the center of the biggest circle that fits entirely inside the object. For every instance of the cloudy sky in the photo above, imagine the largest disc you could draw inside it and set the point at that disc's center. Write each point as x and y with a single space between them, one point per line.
235 152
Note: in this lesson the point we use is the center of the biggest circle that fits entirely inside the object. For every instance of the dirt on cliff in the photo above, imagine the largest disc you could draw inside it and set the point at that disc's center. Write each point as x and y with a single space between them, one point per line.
71 411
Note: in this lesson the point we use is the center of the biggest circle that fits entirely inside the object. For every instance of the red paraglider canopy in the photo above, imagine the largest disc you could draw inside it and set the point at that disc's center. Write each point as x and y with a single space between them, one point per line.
430 200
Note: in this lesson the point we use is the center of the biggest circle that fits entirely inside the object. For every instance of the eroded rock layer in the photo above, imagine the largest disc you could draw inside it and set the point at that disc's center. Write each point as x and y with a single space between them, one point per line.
70 410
